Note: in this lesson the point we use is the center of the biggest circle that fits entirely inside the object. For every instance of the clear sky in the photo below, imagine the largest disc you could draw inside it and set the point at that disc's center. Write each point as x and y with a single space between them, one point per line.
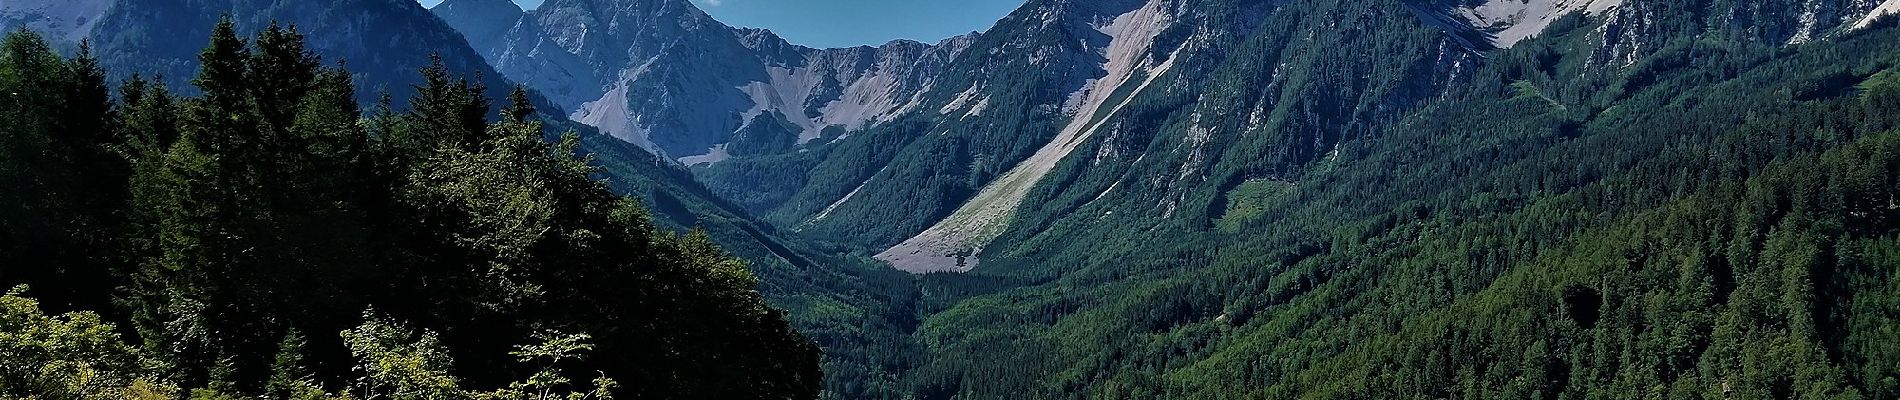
842 23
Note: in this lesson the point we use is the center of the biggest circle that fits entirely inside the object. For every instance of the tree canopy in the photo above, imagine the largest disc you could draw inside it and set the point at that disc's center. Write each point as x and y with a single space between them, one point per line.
229 237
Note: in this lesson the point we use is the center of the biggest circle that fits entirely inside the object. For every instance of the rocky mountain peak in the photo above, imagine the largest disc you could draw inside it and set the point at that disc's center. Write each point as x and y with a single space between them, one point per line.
772 49
1087 11
478 7
482 22
1485 24
616 13
665 75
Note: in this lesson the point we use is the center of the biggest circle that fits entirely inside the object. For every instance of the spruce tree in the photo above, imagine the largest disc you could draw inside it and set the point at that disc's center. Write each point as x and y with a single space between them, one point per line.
221 115
281 74
436 113
94 192
201 297
520 108
65 178
26 68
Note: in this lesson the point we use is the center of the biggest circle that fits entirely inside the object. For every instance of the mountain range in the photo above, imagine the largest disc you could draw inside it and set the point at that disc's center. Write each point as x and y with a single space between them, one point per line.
1224 198
1162 192
666 76
632 68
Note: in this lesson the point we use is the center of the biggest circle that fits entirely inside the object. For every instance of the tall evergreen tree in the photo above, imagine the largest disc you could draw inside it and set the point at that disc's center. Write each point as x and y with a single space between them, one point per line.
520 108
268 206
281 73
447 112
63 170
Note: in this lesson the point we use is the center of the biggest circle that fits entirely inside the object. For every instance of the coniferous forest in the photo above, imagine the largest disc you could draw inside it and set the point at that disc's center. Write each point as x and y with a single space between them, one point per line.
1315 199
1714 221
268 236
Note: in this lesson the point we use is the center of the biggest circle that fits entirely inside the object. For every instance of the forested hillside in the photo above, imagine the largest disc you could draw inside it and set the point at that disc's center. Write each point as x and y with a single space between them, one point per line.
1103 199
1065 80
1710 220
838 300
1371 199
271 237
1329 199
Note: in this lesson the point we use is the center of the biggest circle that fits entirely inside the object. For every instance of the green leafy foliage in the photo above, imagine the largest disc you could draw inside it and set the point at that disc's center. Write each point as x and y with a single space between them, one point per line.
70 356
398 363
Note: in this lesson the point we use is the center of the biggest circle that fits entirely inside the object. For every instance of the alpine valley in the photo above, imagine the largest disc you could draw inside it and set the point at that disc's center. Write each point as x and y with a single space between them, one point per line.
1091 199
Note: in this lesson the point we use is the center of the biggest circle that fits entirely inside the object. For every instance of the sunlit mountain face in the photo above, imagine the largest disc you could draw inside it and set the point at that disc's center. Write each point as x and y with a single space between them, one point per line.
1203 199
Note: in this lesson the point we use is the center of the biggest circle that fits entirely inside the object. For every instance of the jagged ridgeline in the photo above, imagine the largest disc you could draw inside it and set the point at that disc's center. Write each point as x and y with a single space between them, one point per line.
1199 199
927 152
269 237
1663 199
1314 198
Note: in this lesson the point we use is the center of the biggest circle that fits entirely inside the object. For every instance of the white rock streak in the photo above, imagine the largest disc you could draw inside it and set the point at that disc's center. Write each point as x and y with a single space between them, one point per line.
1888 7
950 244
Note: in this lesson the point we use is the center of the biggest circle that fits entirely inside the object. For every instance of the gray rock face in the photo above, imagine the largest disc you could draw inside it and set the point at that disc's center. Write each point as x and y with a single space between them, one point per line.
1503 23
1057 81
1098 51
1638 27
482 22
1119 39
663 74
63 21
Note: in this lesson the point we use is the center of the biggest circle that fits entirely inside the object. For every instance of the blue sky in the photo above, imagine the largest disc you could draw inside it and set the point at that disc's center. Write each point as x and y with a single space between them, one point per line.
841 23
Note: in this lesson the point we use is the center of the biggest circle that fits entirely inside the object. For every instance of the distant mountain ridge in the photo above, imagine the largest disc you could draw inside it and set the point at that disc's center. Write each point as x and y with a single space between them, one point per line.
1224 198
634 68
986 126
1057 78
1056 81
1501 24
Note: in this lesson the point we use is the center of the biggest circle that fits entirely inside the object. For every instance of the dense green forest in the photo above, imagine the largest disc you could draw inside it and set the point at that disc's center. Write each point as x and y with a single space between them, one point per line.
1714 219
1671 202
272 237
1674 204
